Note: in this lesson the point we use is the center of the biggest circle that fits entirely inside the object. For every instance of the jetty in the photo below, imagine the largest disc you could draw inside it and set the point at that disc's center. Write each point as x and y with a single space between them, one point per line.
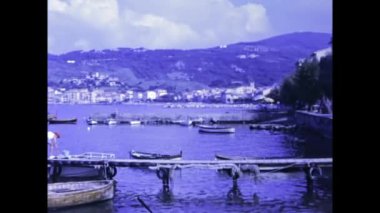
273 127
164 168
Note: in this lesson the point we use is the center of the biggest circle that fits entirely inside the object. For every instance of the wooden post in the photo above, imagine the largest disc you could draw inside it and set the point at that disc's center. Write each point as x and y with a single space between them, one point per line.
164 175
166 178
235 176
306 169
55 173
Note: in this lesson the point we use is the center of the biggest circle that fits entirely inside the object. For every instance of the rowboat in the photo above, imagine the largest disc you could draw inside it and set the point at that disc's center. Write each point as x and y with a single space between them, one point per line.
154 156
215 129
78 193
62 121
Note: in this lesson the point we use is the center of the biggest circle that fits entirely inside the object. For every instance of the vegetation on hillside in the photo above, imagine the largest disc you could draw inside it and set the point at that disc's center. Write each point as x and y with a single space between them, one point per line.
310 84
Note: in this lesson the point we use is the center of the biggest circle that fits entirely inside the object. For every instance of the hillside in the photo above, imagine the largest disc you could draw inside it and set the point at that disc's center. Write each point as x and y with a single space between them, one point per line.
263 62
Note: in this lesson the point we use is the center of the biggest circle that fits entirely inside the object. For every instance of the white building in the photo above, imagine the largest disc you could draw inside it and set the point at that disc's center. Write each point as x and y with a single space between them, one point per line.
161 92
151 95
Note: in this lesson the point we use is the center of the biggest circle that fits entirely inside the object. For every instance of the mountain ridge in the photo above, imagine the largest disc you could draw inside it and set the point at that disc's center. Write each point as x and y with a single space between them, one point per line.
264 62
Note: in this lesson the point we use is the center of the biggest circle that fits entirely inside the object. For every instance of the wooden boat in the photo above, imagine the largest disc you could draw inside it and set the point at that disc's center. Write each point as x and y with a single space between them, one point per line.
63 121
215 129
262 168
78 193
154 156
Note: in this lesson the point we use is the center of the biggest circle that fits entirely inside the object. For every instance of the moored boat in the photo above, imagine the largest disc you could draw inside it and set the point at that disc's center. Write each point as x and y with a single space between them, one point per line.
112 121
215 129
135 122
155 156
62 121
92 121
78 193
186 123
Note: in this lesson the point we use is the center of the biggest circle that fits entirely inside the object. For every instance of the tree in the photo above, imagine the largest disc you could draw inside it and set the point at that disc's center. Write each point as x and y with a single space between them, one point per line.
306 79
288 92
325 80
274 94
325 75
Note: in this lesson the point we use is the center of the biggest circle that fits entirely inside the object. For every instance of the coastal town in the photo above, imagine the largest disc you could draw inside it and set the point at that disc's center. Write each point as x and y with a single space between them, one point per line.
100 88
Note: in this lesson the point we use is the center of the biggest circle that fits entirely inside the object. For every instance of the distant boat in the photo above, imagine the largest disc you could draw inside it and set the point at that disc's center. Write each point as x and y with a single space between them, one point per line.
186 123
183 122
92 122
78 193
215 129
135 122
112 121
63 121
154 156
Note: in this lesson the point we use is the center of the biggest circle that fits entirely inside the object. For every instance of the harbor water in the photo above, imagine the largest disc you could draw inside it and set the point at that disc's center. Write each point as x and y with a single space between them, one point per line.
192 189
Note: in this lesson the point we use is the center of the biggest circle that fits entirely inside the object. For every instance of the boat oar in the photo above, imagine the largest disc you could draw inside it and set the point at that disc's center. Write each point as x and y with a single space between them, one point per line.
143 203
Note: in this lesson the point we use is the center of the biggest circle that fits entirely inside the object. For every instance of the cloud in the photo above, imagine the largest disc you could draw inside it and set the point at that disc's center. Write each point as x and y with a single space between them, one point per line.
82 44
101 24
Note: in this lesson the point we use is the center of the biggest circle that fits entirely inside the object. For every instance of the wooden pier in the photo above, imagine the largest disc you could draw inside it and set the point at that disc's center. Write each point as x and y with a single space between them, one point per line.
164 168
132 162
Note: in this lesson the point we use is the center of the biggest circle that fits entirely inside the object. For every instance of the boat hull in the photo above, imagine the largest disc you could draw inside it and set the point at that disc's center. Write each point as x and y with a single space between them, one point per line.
79 193
152 156
217 130
68 121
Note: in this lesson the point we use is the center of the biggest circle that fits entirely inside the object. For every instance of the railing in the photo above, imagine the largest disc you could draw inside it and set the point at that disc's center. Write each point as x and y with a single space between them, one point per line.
94 155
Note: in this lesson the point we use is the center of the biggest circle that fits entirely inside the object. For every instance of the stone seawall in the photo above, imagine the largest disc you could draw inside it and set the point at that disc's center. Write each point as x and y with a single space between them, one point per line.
321 123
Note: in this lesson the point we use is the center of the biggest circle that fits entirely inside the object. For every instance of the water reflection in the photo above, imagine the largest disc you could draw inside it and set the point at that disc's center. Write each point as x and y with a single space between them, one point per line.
234 194
310 194
99 207
256 199
165 196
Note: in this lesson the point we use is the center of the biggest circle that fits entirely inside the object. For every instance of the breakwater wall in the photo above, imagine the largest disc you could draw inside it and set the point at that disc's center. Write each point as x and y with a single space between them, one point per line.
320 123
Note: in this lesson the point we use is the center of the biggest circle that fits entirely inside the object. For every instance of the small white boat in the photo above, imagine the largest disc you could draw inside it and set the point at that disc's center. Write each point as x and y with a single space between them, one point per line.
93 122
78 193
185 122
136 122
112 122
215 129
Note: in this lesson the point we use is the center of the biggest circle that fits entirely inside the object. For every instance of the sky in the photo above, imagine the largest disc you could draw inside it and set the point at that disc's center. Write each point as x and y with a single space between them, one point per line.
178 24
